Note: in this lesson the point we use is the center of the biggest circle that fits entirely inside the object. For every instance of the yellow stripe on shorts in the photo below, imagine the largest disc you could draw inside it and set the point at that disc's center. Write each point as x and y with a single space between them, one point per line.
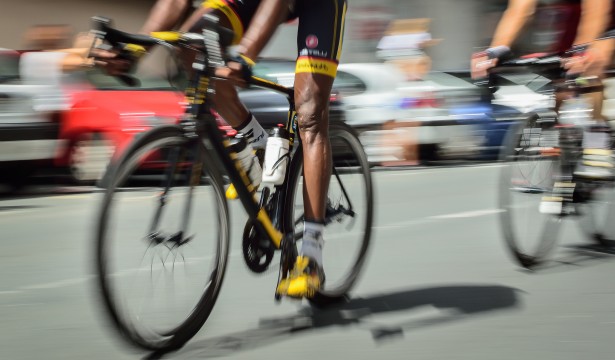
307 64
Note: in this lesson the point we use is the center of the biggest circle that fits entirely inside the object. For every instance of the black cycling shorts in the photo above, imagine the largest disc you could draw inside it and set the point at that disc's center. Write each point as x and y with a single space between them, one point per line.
320 33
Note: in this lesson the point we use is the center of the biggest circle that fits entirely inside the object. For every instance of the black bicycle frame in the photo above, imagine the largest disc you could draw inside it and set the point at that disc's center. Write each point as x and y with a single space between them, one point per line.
203 123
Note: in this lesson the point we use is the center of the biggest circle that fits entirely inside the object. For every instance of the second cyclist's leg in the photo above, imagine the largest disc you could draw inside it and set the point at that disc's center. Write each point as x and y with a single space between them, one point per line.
597 161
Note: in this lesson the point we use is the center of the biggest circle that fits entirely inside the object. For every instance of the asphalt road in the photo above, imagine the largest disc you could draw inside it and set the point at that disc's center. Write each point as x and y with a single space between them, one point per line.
438 285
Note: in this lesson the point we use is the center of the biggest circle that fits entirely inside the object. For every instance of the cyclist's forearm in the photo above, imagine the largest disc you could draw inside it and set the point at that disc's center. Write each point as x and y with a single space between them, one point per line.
262 28
165 15
513 20
595 18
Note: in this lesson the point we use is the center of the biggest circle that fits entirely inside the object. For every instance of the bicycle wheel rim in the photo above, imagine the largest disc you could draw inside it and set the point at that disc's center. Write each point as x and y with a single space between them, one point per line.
346 240
531 164
167 334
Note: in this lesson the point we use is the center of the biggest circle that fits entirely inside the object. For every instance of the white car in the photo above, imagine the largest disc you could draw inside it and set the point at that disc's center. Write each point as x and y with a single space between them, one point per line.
391 113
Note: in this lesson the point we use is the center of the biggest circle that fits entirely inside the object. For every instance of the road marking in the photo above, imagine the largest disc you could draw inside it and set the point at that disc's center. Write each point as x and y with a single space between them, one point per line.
420 221
10 292
578 341
404 223
24 304
56 284
575 316
469 214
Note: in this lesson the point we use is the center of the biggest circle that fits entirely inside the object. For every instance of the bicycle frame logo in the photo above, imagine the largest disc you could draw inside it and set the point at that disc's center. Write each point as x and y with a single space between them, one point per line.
198 97
292 117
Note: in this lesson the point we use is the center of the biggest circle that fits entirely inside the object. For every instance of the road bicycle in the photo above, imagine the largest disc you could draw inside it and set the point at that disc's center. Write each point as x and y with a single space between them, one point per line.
162 234
538 188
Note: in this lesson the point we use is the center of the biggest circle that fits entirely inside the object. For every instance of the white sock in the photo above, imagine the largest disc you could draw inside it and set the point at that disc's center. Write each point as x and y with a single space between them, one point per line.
312 242
254 132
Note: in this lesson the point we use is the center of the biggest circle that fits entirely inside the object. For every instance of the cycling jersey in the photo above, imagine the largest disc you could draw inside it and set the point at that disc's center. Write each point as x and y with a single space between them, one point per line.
554 26
320 33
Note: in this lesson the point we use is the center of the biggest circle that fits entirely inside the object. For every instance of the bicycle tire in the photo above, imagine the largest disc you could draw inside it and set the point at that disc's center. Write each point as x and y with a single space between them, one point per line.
158 143
531 162
596 216
347 160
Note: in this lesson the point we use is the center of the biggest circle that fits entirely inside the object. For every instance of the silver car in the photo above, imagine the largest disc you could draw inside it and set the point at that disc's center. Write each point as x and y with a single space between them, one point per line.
28 127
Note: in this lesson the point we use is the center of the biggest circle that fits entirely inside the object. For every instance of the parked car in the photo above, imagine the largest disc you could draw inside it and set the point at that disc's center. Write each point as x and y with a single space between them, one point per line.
104 119
28 127
95 114
443 115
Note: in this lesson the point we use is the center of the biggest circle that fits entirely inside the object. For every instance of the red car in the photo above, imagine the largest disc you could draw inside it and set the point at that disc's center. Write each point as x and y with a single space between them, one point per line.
98 115
101 122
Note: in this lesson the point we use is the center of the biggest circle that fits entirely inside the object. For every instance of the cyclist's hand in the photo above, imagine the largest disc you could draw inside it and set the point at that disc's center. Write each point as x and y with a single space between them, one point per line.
592 62
238 70
577 64
480 65
233 71
485 60
111 62
117 62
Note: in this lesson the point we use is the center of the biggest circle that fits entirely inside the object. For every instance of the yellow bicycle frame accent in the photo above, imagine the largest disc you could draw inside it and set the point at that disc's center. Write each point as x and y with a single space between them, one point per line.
170 36
274 234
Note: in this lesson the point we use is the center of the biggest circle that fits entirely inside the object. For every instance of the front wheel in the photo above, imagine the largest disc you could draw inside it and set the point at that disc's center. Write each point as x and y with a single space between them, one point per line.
162 240
532 163
349 213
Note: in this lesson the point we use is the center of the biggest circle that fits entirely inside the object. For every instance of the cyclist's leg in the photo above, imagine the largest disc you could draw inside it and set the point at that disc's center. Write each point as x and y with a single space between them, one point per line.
226 101
312 101
319 41
601 53
597 161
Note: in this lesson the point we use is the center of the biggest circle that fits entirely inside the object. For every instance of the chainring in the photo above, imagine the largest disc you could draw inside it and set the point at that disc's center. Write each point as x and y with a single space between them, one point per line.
257 253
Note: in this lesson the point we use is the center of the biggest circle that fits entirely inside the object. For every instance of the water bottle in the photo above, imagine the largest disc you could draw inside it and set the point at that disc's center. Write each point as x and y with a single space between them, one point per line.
276 156
247 158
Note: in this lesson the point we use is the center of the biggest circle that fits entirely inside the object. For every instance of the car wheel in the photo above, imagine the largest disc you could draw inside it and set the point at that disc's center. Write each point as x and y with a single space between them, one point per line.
17 177
88 158
429 153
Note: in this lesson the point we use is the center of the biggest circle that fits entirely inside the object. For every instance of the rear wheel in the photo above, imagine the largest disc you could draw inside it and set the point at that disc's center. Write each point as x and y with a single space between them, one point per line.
349 213
162 240
532 160
597 215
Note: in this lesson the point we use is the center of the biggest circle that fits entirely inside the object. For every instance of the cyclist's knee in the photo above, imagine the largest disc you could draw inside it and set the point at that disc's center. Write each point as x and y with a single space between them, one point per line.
312 118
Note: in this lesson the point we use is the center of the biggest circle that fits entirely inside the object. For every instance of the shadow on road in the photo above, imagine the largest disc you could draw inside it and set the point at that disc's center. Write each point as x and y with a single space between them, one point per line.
454 303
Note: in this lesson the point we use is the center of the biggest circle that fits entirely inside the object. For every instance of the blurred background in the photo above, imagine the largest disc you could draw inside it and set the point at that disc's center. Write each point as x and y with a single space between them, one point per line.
438 283
403 83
